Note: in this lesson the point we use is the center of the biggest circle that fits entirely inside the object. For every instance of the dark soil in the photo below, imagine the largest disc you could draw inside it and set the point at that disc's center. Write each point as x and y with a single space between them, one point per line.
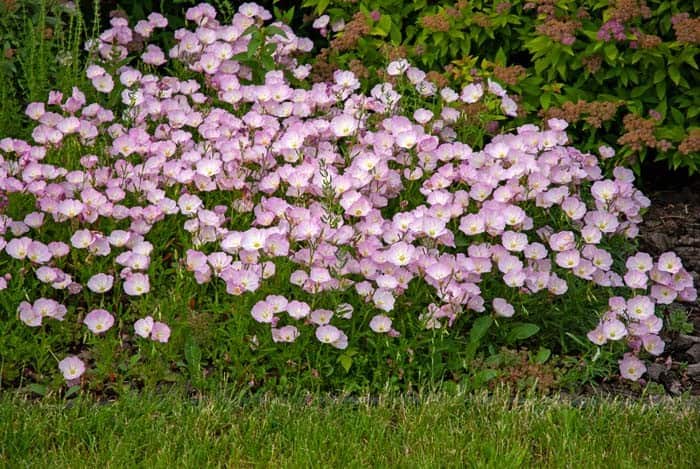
673 224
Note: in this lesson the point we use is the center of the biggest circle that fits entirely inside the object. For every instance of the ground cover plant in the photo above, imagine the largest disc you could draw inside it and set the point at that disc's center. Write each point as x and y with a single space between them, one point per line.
207 210
622 72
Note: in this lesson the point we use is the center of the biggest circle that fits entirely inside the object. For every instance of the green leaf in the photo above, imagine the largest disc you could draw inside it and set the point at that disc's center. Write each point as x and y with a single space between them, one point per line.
690 59
395 34
461 240
659 75
561 68
663 108
40 389
545 100
542 356
322 5
639 90
523 331
677 116
541 65
661 90
383 26
479 329
674 73
275 30
482 377
610 52
71 390
345 362
501 57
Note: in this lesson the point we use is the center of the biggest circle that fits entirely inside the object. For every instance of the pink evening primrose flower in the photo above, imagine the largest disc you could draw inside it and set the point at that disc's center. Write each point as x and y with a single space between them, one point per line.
144 326
137 284
380 324
100 283
285 334
670 262
72 367
160 332
503 308
631 367
327 334
99 321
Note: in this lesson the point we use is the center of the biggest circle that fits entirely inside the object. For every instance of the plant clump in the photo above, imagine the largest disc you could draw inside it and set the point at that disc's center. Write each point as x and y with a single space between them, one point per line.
339 217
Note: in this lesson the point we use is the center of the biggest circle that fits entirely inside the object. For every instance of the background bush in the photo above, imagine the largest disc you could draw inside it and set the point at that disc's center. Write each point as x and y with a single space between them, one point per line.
624 70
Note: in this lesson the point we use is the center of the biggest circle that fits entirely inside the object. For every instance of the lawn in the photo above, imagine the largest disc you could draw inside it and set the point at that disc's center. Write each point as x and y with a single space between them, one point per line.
437 430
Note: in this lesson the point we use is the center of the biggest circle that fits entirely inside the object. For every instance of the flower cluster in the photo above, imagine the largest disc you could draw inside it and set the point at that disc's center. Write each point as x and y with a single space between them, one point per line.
324 173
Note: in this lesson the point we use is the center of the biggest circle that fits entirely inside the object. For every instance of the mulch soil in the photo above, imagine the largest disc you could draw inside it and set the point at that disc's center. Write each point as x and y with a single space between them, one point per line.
673 224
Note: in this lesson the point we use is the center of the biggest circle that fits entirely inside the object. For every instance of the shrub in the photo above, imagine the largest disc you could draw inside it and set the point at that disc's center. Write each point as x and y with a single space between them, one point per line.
234 218
589 63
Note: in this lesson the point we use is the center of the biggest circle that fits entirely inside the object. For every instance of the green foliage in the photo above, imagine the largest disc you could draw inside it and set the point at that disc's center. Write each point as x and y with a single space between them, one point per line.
41 49
648 70
677 321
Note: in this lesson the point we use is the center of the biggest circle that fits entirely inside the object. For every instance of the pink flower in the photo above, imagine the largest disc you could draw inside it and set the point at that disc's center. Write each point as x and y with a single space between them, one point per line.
28 315
400 254
100 283
641 262
327 334
502 308
285 334
514 241
606 152
143 327
653 344
562 241
99 321
597 336
472 224
636 280
568 259
160 332
343 125
640 307
70 208
18 247
670 262
614 329
277 303
321 22
631 367
472 93
604 191
137 284
380 324
103 83
72 367
383 299
262 312
321 317
298 309
663 294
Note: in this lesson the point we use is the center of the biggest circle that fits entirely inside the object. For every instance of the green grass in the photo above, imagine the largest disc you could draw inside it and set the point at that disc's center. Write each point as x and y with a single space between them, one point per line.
442 431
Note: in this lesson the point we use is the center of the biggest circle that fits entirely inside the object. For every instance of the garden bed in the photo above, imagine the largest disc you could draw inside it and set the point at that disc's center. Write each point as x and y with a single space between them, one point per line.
219 192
